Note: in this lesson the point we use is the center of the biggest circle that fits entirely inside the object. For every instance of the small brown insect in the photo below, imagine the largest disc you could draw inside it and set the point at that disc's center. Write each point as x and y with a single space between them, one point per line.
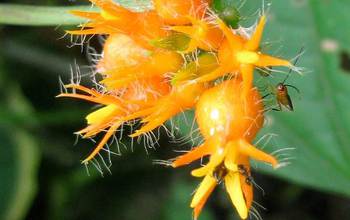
281 91
283 97
220 172
245 172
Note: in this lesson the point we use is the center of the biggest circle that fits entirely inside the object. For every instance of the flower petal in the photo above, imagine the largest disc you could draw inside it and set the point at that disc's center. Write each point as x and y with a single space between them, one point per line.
220 71
247 76
251 151
104 140
234 40
233 187
231 156
193 155
215 160
99 115
198 208
207 185
266 61
254 42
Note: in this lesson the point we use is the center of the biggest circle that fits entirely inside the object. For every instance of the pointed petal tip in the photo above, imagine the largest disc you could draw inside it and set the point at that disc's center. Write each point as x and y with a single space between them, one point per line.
195 173
177 163
275 164
62 95
243 215
199 172
263 18
174 165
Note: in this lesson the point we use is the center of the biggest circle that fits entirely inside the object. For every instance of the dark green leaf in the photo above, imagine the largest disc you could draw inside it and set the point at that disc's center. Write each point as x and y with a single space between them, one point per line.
19 155
19 162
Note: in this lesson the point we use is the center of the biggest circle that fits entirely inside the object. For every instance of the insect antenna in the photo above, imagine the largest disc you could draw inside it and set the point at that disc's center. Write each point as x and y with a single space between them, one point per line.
291 86
295 63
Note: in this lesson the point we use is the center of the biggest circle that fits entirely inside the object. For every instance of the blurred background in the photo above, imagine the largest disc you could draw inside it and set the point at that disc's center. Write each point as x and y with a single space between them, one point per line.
41 176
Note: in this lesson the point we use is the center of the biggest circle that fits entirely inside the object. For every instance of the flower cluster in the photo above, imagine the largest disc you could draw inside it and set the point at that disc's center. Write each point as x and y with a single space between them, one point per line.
181 55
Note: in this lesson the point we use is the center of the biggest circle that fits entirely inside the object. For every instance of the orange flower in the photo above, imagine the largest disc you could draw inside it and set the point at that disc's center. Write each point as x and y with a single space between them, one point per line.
116 106
228 125
148 75
183 95
237 54
158 64
113 18
120 51
176 12
123 62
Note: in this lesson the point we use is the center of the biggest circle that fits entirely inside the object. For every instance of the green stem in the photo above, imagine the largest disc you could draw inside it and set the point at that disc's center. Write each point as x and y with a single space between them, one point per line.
27 15
12 14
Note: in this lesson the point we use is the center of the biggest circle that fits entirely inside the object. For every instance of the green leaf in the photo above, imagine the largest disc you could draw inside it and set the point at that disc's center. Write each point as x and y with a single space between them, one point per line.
19 162
12 14
19 155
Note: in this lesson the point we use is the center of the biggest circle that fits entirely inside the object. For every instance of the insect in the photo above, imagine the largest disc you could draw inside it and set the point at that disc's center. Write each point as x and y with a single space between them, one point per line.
220 172
244 172
281 91
282 96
